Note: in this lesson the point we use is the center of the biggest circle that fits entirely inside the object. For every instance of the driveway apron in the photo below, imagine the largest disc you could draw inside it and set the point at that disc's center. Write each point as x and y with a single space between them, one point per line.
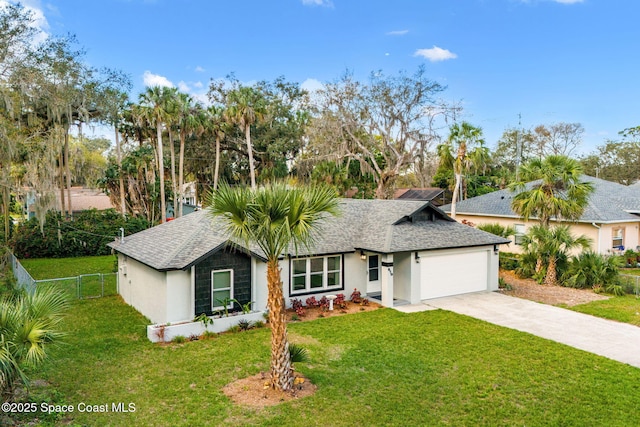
614 340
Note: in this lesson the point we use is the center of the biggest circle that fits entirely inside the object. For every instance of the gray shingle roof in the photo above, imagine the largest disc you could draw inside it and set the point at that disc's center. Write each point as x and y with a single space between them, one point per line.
609 203
384 226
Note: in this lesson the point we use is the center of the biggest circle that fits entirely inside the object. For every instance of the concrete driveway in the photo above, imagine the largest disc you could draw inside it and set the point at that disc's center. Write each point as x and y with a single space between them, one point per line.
617 341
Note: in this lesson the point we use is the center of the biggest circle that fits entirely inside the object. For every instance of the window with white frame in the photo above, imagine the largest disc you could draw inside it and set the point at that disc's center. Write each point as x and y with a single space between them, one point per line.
518 237
316 274
221 289
617 241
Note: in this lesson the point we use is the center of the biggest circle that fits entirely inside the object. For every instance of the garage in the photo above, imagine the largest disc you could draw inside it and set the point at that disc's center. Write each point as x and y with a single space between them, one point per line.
453 273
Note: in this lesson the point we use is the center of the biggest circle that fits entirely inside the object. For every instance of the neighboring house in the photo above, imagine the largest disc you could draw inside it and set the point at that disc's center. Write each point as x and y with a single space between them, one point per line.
189 193
611 218
189 200
81 199
434 195
397 251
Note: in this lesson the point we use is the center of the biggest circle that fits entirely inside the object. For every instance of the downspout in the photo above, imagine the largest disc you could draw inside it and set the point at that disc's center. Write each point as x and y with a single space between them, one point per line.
598 227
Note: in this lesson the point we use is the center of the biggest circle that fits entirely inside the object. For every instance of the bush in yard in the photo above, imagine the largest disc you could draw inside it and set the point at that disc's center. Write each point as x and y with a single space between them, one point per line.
28 325
312 302
498 230
296 304
340 301
87 234
508 261
592 270
527 266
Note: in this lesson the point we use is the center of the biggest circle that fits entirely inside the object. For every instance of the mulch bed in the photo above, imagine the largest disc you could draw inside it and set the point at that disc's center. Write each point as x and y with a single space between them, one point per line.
553 295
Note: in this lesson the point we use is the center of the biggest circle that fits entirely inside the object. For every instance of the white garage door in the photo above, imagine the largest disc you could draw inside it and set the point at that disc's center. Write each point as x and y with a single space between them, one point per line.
453 274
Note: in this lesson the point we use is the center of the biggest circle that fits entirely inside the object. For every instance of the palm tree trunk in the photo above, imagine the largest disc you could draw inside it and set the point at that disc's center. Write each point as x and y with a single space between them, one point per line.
216 172
181 173
456 193
252 172
6 201
173 174
538 264
551 278
281 374
123 206
163 203
61 183
67 169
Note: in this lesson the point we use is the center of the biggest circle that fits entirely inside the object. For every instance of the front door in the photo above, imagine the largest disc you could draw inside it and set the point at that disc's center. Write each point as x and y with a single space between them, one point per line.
373 274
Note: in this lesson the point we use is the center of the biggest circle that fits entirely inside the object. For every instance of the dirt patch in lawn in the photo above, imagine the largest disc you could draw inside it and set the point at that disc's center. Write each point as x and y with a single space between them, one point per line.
255 391
554 295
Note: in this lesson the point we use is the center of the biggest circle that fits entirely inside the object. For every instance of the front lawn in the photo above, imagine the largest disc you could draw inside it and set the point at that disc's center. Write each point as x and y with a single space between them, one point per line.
623 309
376 368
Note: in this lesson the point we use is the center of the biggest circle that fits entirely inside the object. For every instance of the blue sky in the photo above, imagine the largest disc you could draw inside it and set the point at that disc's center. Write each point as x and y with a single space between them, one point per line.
547 60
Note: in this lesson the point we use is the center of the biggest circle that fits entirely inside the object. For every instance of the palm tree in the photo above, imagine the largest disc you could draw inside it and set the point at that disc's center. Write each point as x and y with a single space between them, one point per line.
246 107
553 242
189 122
274 218
154 104
217 126
28 324
558 192
498 229
461 136
593 270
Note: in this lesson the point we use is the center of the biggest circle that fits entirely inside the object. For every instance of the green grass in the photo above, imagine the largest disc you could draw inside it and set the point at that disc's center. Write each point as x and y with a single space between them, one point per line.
53 268
631 271
376 368
57 268
623 309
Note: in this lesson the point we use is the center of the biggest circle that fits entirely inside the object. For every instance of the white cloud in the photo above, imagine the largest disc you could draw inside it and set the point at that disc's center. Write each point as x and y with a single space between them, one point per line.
199 85
151 79
39 21
397 33
325 3
183 87
311 85
199 69
202 98
435 54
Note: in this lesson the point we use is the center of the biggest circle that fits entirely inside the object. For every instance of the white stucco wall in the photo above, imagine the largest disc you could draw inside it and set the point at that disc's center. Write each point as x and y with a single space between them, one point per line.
143 288
259 290
178 296
355 274
402 273
493 270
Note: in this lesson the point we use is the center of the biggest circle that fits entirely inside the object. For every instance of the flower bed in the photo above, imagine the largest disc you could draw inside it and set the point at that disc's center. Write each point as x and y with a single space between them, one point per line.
167 332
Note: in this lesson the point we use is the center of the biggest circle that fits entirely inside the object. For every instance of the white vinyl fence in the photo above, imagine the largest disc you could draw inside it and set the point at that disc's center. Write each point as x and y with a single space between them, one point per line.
82 286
